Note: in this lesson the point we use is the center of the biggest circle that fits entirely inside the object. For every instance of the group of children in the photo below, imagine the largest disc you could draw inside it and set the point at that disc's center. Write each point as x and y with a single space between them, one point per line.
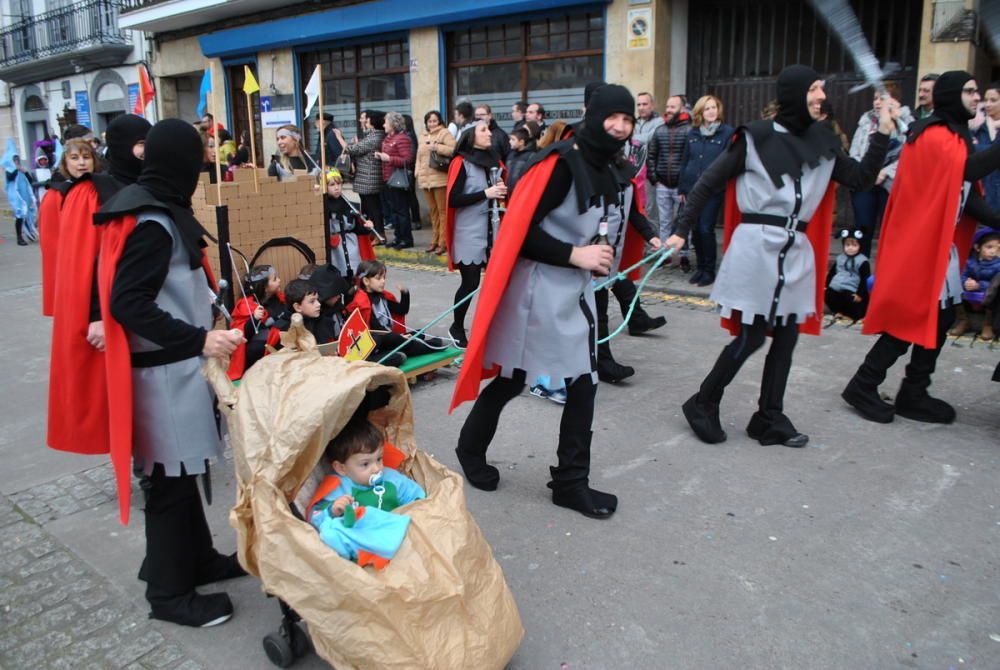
848 282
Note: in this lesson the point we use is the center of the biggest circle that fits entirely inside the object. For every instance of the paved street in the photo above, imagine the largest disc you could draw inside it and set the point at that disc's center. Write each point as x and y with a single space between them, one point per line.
874 547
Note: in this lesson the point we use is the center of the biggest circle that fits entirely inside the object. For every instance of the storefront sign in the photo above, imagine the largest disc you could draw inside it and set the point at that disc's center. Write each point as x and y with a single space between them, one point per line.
640 28
278 118
82 109
133 95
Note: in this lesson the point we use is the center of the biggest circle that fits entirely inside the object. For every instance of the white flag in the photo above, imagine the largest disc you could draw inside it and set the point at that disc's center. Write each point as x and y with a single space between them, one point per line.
312 92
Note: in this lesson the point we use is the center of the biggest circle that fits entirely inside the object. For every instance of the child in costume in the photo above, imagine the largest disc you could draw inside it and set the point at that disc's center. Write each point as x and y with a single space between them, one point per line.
983 265
351 509
847 280
302 297
385 314
254 314
349 233
331 290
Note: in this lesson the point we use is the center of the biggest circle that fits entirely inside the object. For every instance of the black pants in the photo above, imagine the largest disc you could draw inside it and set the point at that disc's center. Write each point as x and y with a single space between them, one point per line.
386 342
178 541
842 302
888 348
399 213
573 451
471 275
371 205
601 303
770 417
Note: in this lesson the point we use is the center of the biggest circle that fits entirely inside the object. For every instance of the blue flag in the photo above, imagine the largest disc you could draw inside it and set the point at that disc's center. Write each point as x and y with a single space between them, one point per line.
206 86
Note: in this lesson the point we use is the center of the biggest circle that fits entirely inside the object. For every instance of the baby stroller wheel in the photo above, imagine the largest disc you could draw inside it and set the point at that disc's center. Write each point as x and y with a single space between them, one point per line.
278 650
300 641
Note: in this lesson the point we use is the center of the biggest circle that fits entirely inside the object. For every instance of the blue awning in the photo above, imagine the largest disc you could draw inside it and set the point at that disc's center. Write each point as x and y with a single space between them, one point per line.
369 18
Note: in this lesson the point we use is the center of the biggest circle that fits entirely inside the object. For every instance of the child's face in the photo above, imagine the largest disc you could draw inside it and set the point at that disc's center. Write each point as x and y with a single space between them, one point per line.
334 188
851 246
375 284
273 283
989 250
515 143
359 468
309 307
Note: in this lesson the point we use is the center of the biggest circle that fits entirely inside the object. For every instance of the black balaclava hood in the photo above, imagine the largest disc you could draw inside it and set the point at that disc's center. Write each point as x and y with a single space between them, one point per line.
467 149
170 174
122 135
793 86
588 91
948 97
597 147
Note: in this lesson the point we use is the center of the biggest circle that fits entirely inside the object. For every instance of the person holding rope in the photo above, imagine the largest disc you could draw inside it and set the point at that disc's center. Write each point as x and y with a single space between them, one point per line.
158 319
536 311
778 221
475 187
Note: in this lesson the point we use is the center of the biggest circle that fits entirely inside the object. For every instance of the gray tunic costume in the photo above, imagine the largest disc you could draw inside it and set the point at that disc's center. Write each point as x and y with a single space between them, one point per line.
846 277
346 255
173 419
768 270
472 234
617 222
545 322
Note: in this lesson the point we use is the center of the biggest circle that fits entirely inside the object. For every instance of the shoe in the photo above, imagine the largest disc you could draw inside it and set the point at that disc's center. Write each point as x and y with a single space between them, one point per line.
194 609
442 251
865 398
707 279
613 372
21 242
589 502
961 321
431 249
696 277
986 332
757 430
685 264
458 335
219 569
404 245
539 391
478 472
394 360
704 421
643 323
913 402
417 225
558 396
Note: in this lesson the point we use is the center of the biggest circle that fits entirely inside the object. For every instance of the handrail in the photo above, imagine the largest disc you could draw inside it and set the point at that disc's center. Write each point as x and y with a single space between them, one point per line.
62 30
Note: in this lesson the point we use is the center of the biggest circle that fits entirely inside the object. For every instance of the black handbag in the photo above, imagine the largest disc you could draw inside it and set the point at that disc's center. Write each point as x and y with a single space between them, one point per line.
439 162
400 179
344 165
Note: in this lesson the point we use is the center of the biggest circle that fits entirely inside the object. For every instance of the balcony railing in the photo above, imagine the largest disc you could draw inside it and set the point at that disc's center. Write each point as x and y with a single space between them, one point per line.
132 5
92 23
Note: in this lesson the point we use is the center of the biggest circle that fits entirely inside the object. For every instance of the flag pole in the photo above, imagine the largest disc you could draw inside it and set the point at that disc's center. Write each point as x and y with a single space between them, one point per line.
215 133
253 144
322 134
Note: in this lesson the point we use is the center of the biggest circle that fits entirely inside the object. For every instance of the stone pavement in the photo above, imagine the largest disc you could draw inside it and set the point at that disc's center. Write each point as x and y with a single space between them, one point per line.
875 547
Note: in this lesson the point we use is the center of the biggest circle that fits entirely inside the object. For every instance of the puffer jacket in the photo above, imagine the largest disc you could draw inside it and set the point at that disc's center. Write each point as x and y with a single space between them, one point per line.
700 151
400 151
368 169
428 177
665 150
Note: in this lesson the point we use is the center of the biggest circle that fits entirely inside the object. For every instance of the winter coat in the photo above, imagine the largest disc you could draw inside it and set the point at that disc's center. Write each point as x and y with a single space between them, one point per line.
400 151
428 177
368 169
991 182
700 151
666 148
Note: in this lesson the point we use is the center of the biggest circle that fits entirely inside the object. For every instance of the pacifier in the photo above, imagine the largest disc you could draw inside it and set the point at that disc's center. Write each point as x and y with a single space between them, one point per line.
375 479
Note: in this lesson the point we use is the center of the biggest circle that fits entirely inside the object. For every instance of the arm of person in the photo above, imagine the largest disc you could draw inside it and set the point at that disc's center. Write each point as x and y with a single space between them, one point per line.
712 180
976 207
641 223
457 199
368 144
682 186
139 277
651 151
865 271
407 489
981 163
400 306
860 135
861 176
445 145
405 155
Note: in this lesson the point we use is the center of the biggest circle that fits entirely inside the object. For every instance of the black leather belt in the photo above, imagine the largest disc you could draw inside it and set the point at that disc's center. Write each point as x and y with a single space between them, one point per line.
787 222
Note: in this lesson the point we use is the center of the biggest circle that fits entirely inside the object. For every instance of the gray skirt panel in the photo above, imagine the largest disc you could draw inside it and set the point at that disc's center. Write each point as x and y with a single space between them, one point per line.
541 325
348 244
748 275
469 239
173 420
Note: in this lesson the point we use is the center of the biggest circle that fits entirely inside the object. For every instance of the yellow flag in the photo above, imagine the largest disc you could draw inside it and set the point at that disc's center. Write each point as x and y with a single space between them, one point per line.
249 83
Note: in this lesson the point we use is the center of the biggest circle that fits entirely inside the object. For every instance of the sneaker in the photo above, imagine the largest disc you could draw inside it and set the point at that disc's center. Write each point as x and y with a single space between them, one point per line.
540 391
558 396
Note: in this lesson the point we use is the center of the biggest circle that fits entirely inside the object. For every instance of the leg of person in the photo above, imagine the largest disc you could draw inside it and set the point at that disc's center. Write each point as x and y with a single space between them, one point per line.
861 392
702 409
769 425
571 476
170 567
838 301
371 205
913 401
440 238
665 210
699 253
961 320
19 231
651 210
435 225
401 216
987 333
705 230
211 566
414 208
480 427
470 282
608 369
641 322
865 205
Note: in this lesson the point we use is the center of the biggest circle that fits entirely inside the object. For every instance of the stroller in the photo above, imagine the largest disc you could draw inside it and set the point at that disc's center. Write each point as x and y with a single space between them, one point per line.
441 603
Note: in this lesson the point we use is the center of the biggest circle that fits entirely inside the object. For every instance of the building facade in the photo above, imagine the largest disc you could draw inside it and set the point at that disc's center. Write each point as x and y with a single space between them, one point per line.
67 62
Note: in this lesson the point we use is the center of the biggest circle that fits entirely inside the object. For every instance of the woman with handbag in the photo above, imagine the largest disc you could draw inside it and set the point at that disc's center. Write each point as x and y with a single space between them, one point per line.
396 155
368 181
433 157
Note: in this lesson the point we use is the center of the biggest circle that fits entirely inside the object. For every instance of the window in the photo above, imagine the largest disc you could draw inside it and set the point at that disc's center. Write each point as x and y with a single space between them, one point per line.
548 60
375 75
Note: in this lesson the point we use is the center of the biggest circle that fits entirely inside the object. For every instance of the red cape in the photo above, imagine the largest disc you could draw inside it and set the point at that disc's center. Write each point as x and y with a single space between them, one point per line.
449 225
506 249
78 398
633 245
363 304
818 232
242 311
918 230
48 242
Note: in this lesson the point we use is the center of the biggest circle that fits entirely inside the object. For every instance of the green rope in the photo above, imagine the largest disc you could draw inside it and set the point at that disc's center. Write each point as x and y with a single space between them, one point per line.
660 255
433 321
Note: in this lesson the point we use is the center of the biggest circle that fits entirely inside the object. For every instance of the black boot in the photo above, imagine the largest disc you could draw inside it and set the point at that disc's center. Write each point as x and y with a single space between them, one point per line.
704 420
481 426
769 425
913 401
861 392
570 487
457 333
19 229
640 322
608 370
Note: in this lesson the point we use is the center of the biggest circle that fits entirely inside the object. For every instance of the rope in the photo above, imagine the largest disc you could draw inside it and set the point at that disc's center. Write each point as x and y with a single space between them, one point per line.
660 255
433 321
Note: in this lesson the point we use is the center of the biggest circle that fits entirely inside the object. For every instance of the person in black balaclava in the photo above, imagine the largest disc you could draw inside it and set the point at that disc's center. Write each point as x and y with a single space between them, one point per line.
536 312
158 331
768 282
126 137
471 224
930 216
